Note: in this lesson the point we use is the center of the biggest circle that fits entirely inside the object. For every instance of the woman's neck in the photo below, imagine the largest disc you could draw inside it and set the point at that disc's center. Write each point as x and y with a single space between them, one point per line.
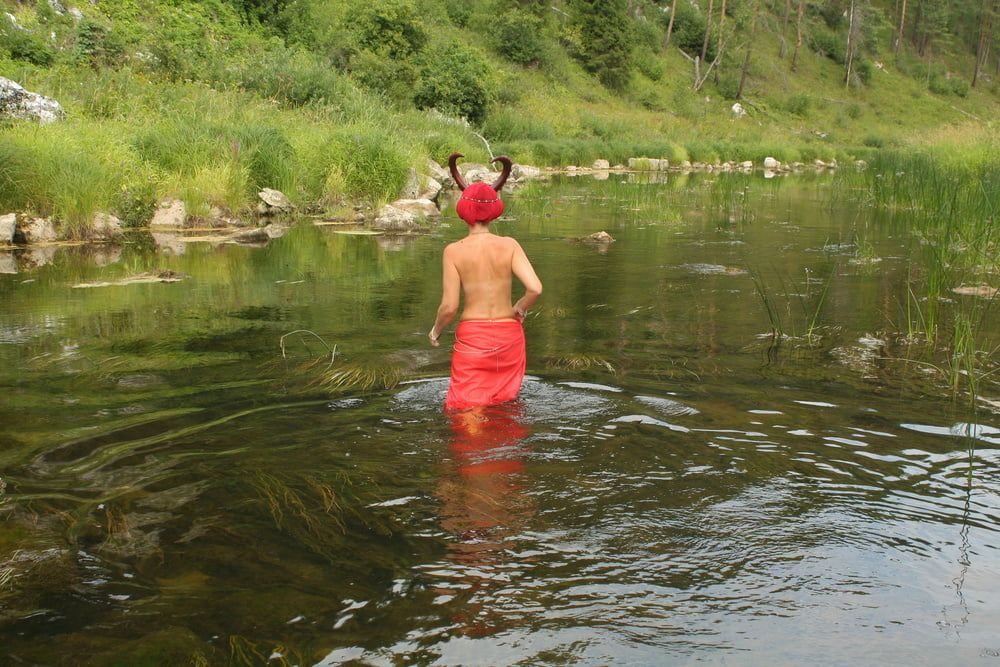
479 229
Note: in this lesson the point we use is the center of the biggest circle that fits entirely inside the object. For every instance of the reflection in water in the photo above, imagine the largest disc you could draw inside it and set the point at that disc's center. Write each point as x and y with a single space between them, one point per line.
482 506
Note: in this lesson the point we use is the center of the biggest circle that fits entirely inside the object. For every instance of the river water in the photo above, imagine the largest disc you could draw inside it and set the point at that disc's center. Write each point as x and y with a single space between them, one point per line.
185 486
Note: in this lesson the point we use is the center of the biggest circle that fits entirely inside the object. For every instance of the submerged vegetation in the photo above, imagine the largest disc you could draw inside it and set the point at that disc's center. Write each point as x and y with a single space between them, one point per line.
335 102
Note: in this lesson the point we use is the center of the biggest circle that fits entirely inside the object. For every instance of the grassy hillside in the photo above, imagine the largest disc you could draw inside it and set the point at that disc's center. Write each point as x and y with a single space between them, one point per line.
333 102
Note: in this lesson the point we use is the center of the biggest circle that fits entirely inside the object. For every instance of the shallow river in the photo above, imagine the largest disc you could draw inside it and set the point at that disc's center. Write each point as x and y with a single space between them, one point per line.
185 486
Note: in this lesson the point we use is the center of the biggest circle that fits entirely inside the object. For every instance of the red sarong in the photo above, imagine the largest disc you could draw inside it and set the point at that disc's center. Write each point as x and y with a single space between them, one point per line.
487 363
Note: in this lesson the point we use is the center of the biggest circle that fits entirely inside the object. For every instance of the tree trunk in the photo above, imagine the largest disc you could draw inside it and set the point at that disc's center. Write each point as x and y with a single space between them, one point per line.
708 31
850 46
984 20
899 34
784 30
670 26
718 46
746 60
798 35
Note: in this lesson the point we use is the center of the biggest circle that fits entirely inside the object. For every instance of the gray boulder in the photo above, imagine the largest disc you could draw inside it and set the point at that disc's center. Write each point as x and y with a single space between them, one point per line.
8 225
171 214
601 165
105 227
523 172
647 164
274 202
18 103
420 186
36 230
771 164
440 174
406 215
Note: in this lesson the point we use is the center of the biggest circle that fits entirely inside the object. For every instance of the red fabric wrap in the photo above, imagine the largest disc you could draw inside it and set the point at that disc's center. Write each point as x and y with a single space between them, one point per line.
479 203
487 363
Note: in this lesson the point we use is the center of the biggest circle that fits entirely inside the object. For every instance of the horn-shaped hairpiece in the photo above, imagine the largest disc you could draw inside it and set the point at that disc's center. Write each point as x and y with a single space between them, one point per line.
455 173
505 161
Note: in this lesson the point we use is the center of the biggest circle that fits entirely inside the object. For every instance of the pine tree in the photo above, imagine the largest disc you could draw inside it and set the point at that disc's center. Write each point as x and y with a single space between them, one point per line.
606 33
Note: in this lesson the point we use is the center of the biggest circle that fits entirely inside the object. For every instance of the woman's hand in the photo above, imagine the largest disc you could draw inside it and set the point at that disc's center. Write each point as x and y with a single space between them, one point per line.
433 338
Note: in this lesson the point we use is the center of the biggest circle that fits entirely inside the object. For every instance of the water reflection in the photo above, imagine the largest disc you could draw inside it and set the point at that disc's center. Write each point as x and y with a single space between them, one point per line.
483 505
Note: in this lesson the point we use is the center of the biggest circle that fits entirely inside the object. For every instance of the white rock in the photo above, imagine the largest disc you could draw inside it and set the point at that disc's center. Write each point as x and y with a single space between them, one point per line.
439 173
746 165
106 227
522 172
76 13
38 230
171 214
8 224
405 215
602 165
861 165
18 103
484 174
819 164
430 190
771 163
57 6
739 111
648 164
412 186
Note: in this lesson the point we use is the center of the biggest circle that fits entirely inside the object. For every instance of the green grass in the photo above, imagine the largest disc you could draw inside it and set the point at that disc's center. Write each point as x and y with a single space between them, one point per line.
189 100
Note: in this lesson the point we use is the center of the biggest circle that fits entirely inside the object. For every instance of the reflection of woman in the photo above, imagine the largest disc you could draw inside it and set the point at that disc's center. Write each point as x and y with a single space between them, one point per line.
488 360
482 504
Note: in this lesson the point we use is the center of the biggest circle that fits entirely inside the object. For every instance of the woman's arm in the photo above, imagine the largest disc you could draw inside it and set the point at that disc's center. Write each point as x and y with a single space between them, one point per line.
450 286
526 274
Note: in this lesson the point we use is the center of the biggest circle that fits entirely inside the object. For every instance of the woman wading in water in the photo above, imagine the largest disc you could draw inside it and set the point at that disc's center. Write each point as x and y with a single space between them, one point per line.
488 360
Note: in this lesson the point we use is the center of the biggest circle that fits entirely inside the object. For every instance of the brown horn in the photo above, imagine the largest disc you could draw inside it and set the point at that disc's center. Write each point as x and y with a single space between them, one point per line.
455 173
507 164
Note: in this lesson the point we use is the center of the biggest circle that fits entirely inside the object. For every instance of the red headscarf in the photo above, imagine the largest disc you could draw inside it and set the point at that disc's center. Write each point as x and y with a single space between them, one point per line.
480 202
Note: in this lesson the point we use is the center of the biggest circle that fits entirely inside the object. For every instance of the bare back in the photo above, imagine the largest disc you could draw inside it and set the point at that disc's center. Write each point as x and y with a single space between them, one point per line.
484 265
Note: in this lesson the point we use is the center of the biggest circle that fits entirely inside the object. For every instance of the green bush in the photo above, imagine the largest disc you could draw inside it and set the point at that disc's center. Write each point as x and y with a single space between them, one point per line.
507 125
828 44
376 73
650 66
98 45
940 86
392 27
457 81
854 111
689 30
517 36
459 11
24 46
292 77
729 85
369 163
874 141
960 87
799 104
863 69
